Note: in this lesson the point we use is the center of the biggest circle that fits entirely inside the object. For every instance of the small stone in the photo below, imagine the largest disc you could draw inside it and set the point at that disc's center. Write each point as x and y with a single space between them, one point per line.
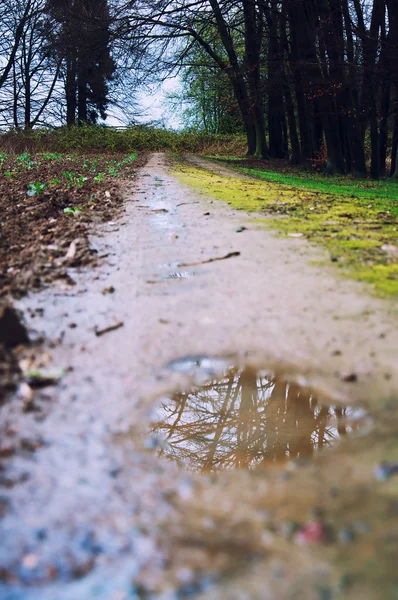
390 249
108 290
26 392
41 534
386 470
289 528
334 492
346 535
349 377
240 229
12 331
361 527
345 582
30 561
325 593
314 532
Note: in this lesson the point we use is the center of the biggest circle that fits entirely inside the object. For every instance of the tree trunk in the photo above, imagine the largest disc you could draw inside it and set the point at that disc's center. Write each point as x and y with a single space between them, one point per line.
28 102
71 91
81 92
294 15
394 149
291 119
393 58
274 89
253 37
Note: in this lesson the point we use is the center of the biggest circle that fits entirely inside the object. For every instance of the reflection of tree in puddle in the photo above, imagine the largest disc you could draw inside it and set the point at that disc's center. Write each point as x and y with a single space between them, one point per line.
247 419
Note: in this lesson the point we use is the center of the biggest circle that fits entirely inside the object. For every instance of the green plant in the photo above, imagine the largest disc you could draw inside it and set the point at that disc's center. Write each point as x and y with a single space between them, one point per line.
113 171
35 189
72 210
70 177
99 178
25 161
9 175
80 181
52 156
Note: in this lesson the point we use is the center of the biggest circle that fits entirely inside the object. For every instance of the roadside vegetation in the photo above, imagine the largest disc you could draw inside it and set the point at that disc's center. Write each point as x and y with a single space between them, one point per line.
97 139
356 220
47 202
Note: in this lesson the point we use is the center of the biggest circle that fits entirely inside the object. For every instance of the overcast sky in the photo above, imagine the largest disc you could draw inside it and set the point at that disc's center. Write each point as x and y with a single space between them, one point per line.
154 107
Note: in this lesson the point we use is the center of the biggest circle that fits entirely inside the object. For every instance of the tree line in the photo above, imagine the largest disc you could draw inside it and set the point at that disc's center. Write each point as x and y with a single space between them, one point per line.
310 81
313 79
61 63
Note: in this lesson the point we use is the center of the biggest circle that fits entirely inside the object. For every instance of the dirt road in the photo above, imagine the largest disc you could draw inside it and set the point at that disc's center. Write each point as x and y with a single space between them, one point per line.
94 508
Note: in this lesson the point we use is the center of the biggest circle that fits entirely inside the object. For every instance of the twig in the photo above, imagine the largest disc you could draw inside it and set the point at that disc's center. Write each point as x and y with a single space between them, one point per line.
118 325
210 260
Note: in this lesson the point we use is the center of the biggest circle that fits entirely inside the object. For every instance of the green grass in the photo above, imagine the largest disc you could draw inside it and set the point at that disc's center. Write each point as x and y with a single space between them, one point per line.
382 195
359 230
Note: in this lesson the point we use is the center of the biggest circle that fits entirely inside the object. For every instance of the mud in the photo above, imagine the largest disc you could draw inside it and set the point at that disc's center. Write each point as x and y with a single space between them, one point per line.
90 509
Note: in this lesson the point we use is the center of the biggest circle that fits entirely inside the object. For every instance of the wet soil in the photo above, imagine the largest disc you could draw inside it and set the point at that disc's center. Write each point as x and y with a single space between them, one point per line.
36 233
96 503
39 241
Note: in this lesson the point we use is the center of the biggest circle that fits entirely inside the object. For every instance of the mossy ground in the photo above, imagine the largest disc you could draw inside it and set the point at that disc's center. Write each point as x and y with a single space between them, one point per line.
360 230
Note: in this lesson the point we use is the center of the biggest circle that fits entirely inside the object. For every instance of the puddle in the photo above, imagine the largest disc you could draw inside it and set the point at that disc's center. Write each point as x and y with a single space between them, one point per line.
245 419
169 265
180 275
201 367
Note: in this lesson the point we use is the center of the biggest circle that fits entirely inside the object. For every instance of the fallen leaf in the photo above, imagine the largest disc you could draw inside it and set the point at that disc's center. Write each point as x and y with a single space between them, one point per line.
44 377
71 251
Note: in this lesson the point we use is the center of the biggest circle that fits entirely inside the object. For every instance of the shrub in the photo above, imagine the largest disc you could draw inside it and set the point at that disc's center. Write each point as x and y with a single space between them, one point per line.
101 139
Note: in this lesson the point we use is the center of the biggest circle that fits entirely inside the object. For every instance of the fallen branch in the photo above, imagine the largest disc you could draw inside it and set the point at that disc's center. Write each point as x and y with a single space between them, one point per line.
210 260
118 325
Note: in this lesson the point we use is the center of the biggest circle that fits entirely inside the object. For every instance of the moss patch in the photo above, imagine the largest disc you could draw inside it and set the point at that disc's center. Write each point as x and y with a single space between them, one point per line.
361 237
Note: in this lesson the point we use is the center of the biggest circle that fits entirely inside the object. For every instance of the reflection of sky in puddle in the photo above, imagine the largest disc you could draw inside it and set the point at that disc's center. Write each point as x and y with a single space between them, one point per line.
180 275
246 419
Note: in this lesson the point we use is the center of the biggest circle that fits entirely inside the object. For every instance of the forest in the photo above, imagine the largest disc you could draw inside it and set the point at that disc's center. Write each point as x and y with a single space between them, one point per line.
313 82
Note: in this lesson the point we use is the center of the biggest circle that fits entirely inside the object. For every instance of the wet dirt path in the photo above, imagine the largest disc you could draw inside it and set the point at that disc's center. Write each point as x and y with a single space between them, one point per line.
95 501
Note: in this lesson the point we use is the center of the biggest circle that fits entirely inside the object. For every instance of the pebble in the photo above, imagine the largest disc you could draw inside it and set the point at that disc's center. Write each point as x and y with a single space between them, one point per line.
288 528
346 535
30 561
349 377
386 470
313 532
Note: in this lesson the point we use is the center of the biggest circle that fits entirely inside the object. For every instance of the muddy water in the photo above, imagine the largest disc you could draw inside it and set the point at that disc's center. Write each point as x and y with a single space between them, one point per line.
248 419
